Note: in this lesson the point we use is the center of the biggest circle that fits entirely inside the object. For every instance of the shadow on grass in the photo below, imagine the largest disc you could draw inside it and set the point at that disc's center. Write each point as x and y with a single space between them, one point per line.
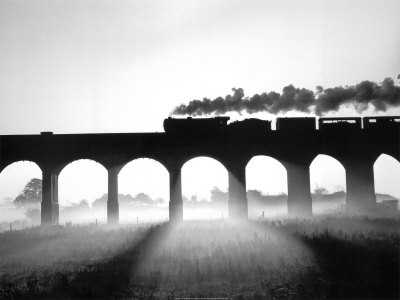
116 277
359 267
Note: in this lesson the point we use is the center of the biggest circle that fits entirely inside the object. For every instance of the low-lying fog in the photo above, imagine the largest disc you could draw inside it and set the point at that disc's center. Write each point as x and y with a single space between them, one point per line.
141 208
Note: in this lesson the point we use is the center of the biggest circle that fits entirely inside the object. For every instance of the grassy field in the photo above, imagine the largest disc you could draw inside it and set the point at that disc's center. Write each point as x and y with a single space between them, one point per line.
330 258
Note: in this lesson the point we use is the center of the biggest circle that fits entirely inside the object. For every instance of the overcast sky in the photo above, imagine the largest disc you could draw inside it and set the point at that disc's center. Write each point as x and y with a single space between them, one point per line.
122 66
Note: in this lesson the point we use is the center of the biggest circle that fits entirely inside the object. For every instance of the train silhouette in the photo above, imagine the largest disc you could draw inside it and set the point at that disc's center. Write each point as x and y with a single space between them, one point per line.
220 124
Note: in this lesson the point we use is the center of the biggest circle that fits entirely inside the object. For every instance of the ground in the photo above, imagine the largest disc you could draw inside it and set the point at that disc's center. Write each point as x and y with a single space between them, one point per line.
329 258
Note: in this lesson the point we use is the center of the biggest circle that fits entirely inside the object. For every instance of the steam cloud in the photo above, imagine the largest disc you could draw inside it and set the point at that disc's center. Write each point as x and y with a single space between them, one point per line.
381 96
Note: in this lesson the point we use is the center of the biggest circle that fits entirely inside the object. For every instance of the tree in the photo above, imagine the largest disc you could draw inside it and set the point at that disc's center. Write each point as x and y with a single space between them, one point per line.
218 196
320 191
32 193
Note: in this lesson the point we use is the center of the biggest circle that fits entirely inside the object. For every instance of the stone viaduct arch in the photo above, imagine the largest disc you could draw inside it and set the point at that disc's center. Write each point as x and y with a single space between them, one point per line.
270 161
386 176
134 167
295 145
82 182
209 159
326 176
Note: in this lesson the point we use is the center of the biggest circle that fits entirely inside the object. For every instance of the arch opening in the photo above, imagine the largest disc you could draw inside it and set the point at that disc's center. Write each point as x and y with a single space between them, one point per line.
328 185
204 189
82 189
387 187
143 191
20 195
266 184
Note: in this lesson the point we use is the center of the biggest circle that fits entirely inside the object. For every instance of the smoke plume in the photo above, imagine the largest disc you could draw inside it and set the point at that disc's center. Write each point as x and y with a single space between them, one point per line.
380 96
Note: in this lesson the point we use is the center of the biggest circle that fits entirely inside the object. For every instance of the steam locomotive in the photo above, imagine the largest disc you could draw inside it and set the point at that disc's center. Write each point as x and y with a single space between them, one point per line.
198 125
214 125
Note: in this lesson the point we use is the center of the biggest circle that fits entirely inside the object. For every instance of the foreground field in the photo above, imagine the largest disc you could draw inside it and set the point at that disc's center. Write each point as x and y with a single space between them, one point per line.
327 258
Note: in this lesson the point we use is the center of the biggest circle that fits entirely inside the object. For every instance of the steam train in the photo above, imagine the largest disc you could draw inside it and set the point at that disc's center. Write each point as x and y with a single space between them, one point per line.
220 124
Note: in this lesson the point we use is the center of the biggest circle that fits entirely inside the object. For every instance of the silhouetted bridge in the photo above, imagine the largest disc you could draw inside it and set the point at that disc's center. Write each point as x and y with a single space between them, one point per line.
354 142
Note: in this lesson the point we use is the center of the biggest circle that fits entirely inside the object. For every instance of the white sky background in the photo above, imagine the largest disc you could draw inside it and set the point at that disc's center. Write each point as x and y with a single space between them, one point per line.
122 66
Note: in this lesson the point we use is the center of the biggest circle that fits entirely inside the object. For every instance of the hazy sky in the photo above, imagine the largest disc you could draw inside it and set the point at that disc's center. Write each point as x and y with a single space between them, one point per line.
96 66
122 66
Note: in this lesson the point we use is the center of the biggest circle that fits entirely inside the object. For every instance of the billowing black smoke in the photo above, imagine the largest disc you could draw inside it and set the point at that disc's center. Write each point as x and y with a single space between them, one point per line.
380 96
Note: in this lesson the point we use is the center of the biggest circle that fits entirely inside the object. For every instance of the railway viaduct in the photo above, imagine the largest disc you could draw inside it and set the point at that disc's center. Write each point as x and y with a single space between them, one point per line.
355 143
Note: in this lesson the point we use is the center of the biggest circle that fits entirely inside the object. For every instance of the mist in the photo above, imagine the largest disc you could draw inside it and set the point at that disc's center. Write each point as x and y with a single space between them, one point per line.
142 209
